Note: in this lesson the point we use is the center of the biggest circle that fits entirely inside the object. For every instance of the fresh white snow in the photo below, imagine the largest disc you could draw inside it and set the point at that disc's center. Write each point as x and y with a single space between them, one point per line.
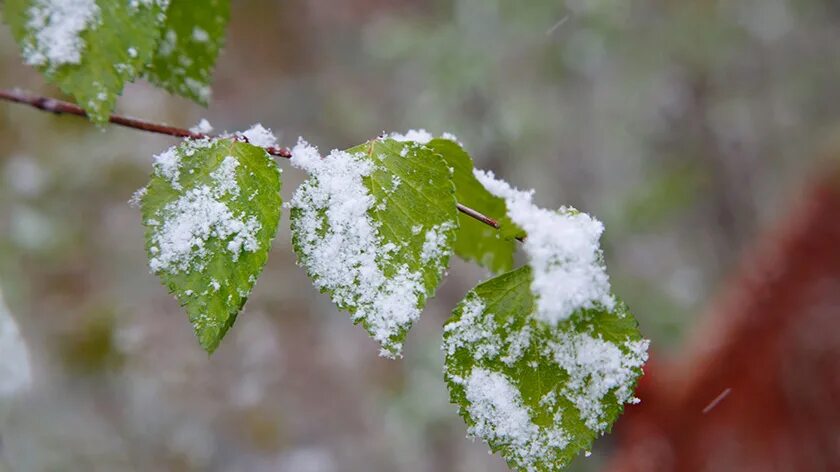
203 127
341 247
435 245
168 166
199 35
597 367
474 330
420 136
499 416
451 137
563 250
258 135
137 197
179 240
56 27
168 43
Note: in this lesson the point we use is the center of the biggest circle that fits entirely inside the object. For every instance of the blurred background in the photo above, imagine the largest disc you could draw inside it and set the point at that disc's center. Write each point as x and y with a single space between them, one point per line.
688 128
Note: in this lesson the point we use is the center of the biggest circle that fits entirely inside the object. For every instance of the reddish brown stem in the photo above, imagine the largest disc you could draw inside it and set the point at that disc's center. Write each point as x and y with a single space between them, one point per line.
61 107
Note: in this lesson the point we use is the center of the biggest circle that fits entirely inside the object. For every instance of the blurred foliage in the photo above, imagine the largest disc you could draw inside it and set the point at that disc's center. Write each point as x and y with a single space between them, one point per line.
89 348
685 126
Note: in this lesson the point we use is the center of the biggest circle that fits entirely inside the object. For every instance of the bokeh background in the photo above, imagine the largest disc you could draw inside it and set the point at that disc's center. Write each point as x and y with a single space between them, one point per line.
687 127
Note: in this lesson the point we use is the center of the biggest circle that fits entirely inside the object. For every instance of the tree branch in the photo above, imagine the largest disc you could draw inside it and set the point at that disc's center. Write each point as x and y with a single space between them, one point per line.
60 107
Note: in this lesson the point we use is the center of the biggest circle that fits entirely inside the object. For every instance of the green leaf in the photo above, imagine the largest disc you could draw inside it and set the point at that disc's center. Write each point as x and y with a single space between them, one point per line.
88 48
536 393
373 226
210 212
190 42
477 241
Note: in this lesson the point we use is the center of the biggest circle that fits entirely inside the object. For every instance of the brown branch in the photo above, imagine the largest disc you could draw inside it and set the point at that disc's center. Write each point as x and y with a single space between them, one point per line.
60 107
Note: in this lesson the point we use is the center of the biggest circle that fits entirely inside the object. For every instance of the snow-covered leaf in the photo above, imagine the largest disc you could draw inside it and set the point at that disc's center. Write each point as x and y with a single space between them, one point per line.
477 241
88 48
190 41
210 211
536 392
373 226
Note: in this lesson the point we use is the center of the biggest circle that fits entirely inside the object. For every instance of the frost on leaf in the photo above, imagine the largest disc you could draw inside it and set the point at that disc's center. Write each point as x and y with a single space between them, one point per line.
211 211
90 49
373 227
475 240
190 41
535 392
563 249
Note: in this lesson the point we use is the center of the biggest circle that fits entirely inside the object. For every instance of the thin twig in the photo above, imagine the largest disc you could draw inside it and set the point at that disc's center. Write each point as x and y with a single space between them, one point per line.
60 107
478 216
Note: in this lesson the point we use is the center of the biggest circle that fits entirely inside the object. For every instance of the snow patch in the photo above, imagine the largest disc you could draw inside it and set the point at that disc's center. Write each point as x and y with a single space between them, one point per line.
340 245
563 250
168 43
56 27
496 409
178 244
167 165
474 331
202 127
435 245
420 136
597 367
199 35
225 176
137 197
260 136
451 137
305 156
477 330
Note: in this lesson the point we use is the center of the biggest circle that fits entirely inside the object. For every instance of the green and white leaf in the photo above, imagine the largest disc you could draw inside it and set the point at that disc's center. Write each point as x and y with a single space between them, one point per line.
190 42
373 226
535 392
477 241
88 48
211 211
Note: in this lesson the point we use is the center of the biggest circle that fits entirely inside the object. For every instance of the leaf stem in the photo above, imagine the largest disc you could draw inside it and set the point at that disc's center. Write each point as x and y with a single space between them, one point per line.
60 107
